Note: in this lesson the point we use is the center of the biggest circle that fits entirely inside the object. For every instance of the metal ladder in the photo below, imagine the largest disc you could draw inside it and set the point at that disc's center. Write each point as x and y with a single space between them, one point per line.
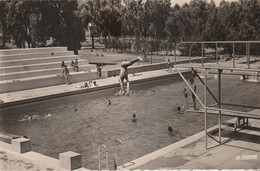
122 153
99 160
114 153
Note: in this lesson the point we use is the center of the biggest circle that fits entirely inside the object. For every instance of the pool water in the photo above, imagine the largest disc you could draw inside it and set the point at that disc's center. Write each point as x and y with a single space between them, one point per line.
81 123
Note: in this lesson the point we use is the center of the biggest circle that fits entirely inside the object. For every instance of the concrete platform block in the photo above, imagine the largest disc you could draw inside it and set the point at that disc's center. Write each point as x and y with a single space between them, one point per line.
21 145
70 160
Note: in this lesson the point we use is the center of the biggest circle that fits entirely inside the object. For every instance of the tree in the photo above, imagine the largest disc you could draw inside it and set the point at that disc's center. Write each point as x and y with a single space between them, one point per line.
172 28
104 16
4 31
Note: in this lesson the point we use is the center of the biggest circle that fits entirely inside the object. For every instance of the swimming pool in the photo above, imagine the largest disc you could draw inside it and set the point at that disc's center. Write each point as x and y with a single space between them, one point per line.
81 123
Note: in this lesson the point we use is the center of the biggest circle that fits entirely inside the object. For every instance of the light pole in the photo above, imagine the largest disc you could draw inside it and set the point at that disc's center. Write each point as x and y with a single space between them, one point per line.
89 25
91 34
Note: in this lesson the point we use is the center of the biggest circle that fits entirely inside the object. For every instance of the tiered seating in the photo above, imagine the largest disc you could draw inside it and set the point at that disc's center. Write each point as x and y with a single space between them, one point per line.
23 65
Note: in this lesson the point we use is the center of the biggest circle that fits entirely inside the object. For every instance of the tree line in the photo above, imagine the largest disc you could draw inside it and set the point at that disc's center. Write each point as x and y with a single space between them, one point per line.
31 23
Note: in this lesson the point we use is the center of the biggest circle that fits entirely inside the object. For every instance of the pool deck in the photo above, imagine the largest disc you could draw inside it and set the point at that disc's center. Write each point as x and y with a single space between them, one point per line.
45 93
241 151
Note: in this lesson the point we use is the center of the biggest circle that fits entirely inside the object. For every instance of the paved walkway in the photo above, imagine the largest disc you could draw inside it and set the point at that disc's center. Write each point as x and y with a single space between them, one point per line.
11 161
44 93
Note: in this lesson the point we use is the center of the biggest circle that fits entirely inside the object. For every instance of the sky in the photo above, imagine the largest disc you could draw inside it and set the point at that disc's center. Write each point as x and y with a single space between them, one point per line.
181 2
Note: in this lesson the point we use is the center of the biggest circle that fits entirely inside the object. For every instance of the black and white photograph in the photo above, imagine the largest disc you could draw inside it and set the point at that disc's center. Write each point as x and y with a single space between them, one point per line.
129 85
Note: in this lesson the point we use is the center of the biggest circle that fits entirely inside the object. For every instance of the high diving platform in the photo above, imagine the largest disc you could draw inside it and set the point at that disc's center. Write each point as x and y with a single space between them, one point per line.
255 114
217 108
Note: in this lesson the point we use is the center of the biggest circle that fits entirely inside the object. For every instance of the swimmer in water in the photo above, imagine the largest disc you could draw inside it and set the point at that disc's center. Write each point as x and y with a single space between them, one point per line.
180 109
116 90
109 102
124 74
185 92
48 115
134 118
170 130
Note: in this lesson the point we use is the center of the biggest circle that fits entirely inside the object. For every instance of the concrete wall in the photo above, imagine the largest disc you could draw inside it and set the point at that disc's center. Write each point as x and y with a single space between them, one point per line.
21 68
34 55
31 50
45 81
35 73
37 60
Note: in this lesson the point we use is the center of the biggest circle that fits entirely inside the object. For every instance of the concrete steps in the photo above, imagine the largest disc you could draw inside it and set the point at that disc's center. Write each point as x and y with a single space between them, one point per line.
34 55
31 50
44 81
37 60
41 72
21 68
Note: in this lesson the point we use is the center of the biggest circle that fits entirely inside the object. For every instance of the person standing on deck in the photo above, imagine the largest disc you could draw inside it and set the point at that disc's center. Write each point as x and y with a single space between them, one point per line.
76 66
65 73
124 74
169 65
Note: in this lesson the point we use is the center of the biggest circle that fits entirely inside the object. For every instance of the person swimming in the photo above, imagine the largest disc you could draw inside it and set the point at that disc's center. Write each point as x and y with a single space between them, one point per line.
180 109
48 115
170 130
185 92
109 102
134 117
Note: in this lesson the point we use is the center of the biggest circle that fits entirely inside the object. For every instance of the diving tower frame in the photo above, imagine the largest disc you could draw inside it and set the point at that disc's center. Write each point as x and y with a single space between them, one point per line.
208 109
216 46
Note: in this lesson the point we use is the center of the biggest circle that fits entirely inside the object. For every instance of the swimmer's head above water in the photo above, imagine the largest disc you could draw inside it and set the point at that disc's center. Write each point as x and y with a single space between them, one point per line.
134 117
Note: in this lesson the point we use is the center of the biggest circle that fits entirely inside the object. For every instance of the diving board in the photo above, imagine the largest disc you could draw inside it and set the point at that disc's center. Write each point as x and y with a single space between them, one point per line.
215 67
255 114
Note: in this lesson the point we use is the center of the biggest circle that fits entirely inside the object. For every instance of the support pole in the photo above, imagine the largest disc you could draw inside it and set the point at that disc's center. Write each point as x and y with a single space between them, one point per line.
202 54
205 103
216 53
233 55
195 72
175 54
190 51
183 78
219 103
93 45
248 55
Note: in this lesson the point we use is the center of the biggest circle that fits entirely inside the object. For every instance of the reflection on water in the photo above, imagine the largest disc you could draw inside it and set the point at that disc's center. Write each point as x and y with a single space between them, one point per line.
81 123
33 117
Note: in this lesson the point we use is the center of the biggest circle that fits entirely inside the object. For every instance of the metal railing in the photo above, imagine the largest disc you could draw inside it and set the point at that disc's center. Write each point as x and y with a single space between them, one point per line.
99 158
122 153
